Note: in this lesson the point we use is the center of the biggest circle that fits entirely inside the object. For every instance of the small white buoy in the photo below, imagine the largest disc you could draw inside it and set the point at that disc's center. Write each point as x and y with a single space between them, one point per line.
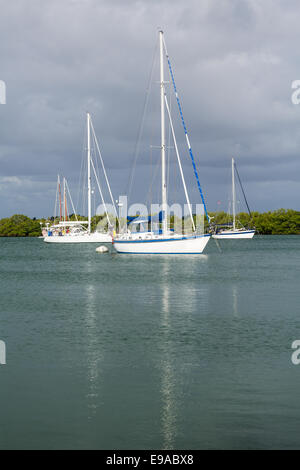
102 249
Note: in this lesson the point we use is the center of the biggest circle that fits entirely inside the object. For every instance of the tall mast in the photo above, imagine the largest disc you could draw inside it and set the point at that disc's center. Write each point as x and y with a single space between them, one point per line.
163 136
65 201
89 173
233 197
60 205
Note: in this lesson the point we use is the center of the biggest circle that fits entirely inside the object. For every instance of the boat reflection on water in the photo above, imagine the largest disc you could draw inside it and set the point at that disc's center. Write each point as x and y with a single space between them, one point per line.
235 310
177 308
93 352
168 415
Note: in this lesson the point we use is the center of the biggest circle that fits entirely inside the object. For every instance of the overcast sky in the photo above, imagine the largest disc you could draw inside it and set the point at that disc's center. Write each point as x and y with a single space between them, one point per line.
234 62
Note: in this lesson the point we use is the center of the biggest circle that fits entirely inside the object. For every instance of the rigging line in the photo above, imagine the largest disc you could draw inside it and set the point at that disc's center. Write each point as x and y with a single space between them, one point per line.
185 131
153 178
84 185
169 151
149 195
94 153
96 162
71 200
229 218
140 132
104 171
179 163
81 176
97 167
236 170
56 197
96 177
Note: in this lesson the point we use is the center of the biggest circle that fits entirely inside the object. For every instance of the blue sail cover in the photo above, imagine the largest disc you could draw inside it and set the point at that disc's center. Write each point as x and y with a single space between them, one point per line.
136 219
139 220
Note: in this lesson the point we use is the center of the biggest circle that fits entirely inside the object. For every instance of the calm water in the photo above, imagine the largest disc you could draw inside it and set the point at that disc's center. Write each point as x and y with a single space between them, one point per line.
125 352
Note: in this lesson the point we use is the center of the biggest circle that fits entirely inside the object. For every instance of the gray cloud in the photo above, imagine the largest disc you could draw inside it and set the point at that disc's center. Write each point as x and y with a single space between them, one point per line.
234 62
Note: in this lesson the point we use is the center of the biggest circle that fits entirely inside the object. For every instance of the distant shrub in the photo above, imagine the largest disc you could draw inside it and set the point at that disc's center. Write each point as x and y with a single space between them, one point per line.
19 226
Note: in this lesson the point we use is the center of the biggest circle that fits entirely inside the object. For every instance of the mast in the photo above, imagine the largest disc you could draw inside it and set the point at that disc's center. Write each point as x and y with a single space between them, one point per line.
60 204
65 201
163 136
89 173
233 196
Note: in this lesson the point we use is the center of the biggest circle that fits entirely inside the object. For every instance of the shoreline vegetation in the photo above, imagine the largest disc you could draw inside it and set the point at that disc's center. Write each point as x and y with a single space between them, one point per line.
279 222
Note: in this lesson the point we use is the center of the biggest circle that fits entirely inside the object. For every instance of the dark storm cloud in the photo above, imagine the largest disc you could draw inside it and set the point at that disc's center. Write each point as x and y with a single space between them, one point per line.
234 63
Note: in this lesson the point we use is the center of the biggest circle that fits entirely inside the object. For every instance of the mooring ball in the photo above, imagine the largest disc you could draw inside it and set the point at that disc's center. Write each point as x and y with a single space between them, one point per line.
102 249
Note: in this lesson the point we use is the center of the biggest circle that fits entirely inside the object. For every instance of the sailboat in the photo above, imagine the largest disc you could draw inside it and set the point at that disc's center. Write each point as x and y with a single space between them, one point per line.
235 232
165 241
79 231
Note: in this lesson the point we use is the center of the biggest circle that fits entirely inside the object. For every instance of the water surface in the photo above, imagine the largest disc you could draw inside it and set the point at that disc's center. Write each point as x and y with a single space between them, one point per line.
136 352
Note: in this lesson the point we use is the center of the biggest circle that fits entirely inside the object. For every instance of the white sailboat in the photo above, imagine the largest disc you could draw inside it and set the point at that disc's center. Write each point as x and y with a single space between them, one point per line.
166 242
80 231
235 232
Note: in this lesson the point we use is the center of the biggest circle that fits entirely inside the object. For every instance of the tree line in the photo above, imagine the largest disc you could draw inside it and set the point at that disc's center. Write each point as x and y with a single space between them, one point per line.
20 225
279 222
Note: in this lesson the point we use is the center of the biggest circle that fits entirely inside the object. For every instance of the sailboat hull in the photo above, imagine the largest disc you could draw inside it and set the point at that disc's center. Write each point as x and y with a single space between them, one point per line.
84 238
161 246
234 235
